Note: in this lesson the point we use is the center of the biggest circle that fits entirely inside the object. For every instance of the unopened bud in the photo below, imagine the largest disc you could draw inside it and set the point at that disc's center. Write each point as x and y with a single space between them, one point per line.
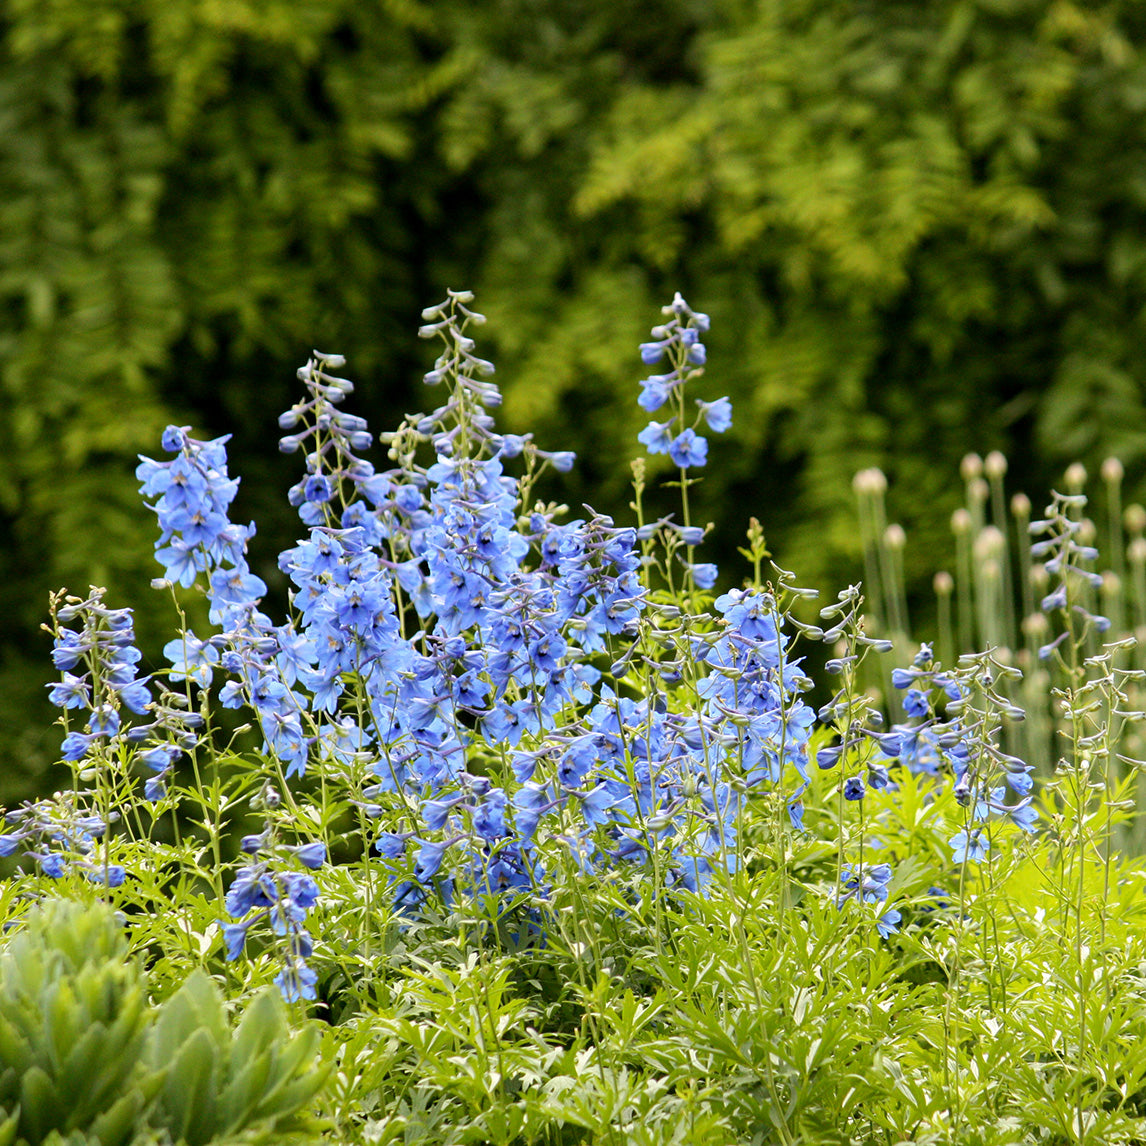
960 521
894 537
1075 476
995 464
971 467
1112 471
1035 625
1134 518
943 583
990 543
1021 506
871 482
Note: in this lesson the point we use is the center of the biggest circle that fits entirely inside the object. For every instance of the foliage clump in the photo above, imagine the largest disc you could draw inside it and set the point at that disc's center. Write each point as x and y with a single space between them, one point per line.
86 1058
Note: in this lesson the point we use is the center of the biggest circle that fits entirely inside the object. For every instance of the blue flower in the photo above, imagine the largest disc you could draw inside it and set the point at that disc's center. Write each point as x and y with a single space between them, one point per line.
916 704
235 937
296 981
161 757
654 394
868 882
657 436
113 875
252 887
191 658
312 855
71 692
429 859
717 414
704 574
969 846
76 745
888 922
51 864
317 488
688 450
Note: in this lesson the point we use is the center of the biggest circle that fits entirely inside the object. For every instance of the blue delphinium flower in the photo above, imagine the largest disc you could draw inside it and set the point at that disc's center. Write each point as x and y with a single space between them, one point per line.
678 339
282 898
100 662
688 449
964 744
193 495
889 922
1065 559
704 573
718 414
60 836
869 883
970 846
657 437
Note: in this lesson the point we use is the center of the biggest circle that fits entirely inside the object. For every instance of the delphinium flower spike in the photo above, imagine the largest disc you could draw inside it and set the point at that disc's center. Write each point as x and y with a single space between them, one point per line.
678 341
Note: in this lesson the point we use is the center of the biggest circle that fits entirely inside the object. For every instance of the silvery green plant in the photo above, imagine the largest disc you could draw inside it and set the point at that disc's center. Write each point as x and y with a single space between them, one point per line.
85 1057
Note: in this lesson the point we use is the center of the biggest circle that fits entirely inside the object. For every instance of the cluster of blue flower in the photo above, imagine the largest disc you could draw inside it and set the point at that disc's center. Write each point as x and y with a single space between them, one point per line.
268 890
679 341
503 671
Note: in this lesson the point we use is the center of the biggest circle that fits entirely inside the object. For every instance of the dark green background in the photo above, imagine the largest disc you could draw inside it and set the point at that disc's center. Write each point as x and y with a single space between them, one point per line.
919 228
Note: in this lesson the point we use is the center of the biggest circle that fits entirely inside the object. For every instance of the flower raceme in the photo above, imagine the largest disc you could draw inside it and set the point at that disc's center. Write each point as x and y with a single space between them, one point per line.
678 341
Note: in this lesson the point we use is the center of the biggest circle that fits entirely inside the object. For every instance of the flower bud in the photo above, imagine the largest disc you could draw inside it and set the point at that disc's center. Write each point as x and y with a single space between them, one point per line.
995 464
1075 476
1112 471
971 467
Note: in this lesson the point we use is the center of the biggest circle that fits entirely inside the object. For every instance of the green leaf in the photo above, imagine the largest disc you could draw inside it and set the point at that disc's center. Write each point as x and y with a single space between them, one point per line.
9 1123
189 1102
119 1122
42 1107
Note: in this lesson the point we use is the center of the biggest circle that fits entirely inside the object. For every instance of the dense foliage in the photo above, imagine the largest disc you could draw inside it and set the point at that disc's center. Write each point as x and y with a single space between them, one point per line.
918 226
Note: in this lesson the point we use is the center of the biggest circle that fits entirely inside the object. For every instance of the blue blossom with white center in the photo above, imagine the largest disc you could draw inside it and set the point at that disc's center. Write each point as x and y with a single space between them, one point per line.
688 449
969 846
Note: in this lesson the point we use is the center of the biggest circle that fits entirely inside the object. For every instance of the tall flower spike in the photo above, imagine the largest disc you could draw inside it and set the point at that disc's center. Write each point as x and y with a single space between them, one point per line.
678 340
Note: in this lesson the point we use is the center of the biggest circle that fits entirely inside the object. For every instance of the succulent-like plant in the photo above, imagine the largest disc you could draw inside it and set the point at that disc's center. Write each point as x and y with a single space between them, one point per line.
85 1061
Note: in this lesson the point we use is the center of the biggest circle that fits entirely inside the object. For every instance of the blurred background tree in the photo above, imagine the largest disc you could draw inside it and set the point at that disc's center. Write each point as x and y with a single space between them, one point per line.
918 228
